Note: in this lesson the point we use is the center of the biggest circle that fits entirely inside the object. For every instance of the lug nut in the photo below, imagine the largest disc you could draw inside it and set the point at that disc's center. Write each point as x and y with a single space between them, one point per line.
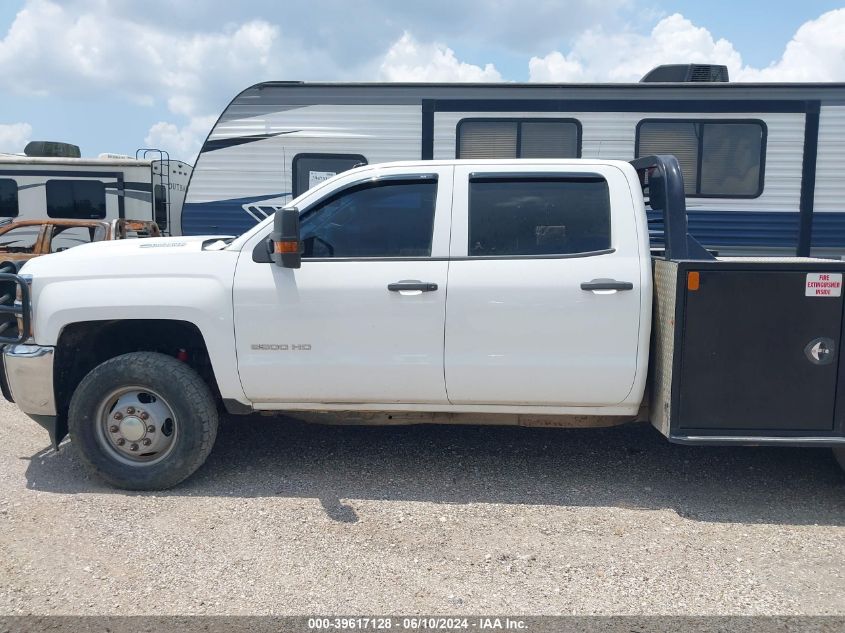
114 428
144 415
147 441
151 429
118 416
134 447
121 441
130 410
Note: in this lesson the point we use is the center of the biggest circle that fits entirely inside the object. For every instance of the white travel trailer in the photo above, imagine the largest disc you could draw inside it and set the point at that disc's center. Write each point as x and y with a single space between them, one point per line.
762 163
51 180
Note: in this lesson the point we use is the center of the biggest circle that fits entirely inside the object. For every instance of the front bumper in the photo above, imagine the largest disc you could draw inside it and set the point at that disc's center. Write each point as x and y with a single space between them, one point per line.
29 375
27 380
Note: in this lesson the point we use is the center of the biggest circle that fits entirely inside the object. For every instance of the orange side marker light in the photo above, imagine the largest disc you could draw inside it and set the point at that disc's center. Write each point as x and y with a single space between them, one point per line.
693 280
291 246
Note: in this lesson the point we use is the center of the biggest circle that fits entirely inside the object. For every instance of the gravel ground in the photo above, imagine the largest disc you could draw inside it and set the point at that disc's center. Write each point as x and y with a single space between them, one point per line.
288 518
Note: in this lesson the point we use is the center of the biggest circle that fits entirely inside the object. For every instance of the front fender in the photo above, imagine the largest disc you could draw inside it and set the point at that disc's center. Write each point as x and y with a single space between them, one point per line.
204 301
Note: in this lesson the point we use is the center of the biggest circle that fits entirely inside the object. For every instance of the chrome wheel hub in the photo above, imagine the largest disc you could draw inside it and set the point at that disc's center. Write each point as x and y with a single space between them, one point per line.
136 425
132 429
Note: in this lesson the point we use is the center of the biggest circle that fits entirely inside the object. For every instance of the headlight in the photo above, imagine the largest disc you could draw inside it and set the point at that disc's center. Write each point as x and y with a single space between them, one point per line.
22 323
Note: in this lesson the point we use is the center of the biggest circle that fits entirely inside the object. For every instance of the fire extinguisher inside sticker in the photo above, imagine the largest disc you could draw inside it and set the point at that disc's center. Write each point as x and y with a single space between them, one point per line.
823 285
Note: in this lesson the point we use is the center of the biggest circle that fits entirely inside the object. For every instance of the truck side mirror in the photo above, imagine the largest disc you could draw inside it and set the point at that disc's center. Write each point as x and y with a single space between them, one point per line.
287 248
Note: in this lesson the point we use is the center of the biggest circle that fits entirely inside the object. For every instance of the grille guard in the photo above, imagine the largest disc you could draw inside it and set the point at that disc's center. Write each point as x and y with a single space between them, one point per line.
11 311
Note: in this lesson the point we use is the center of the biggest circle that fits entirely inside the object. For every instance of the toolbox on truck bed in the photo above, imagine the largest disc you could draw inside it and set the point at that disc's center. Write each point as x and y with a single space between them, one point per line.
744 350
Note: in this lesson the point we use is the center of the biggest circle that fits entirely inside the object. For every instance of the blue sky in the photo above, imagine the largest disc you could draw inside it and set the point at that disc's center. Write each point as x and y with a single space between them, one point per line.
114 75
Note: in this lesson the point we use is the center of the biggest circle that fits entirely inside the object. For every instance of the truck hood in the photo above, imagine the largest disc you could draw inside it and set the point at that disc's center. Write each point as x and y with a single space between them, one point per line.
120 257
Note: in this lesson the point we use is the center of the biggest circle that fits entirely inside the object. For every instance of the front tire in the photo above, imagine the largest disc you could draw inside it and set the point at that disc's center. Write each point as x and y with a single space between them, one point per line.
143 421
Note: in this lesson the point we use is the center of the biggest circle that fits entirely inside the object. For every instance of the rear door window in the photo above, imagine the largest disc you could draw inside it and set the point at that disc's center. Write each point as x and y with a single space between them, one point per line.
524 216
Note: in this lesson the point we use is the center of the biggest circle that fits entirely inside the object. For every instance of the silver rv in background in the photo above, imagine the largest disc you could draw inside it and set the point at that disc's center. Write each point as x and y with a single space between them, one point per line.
52 180
762 163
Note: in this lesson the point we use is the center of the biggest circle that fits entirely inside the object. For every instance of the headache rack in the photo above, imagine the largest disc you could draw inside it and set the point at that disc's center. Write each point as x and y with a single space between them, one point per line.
14 306
662 183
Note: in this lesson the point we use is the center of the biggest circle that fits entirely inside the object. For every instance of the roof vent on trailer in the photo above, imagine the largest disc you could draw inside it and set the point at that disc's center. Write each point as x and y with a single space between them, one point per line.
686 73
51 149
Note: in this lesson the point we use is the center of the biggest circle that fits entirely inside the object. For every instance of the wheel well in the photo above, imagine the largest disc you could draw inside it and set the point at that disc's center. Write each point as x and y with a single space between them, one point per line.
83 346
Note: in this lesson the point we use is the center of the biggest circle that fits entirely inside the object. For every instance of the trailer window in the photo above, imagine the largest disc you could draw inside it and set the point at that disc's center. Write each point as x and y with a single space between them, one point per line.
310 170
8 198
518 138
380 219
719 159
160 206
77 199
534 216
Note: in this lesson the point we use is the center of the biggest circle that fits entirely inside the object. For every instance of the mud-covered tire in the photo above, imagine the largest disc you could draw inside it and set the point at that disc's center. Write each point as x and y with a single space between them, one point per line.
193 422
839 455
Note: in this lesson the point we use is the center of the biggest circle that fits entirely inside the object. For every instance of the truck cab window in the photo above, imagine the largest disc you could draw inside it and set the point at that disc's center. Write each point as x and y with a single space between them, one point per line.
8 198
21 239
538 216
381 219
65 237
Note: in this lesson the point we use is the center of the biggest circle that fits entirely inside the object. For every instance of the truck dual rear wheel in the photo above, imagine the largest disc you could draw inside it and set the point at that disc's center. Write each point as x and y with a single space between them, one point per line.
143 421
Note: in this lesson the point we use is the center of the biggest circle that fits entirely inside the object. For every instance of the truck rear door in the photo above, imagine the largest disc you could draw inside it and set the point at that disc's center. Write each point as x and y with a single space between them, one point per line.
545 286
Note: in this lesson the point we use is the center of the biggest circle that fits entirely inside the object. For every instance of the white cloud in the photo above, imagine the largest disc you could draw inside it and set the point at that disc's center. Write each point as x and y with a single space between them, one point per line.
84 48
181 142
353 33
410 60
14 137
815 53
53 51
555 67
626 56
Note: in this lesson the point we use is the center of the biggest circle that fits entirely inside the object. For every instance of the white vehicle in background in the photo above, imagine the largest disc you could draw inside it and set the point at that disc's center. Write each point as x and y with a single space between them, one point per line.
492 292
51 180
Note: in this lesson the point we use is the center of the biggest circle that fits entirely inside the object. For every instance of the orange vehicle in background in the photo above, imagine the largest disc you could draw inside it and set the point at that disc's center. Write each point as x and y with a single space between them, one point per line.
24 239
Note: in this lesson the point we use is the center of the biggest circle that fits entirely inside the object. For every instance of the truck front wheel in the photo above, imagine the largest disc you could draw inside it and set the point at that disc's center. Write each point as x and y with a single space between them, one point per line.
143 421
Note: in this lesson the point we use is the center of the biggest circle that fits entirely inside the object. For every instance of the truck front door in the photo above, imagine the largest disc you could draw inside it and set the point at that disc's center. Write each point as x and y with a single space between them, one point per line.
362 320
545 287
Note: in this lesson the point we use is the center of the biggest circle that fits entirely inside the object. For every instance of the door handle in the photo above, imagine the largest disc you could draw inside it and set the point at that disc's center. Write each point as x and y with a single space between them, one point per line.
412 284
606 284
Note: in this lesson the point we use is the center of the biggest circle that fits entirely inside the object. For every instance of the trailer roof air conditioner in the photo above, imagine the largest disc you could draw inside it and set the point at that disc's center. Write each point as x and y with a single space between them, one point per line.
686 73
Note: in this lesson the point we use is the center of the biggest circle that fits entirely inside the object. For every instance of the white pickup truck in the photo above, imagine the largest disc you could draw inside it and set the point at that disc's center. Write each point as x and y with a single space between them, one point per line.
493 292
